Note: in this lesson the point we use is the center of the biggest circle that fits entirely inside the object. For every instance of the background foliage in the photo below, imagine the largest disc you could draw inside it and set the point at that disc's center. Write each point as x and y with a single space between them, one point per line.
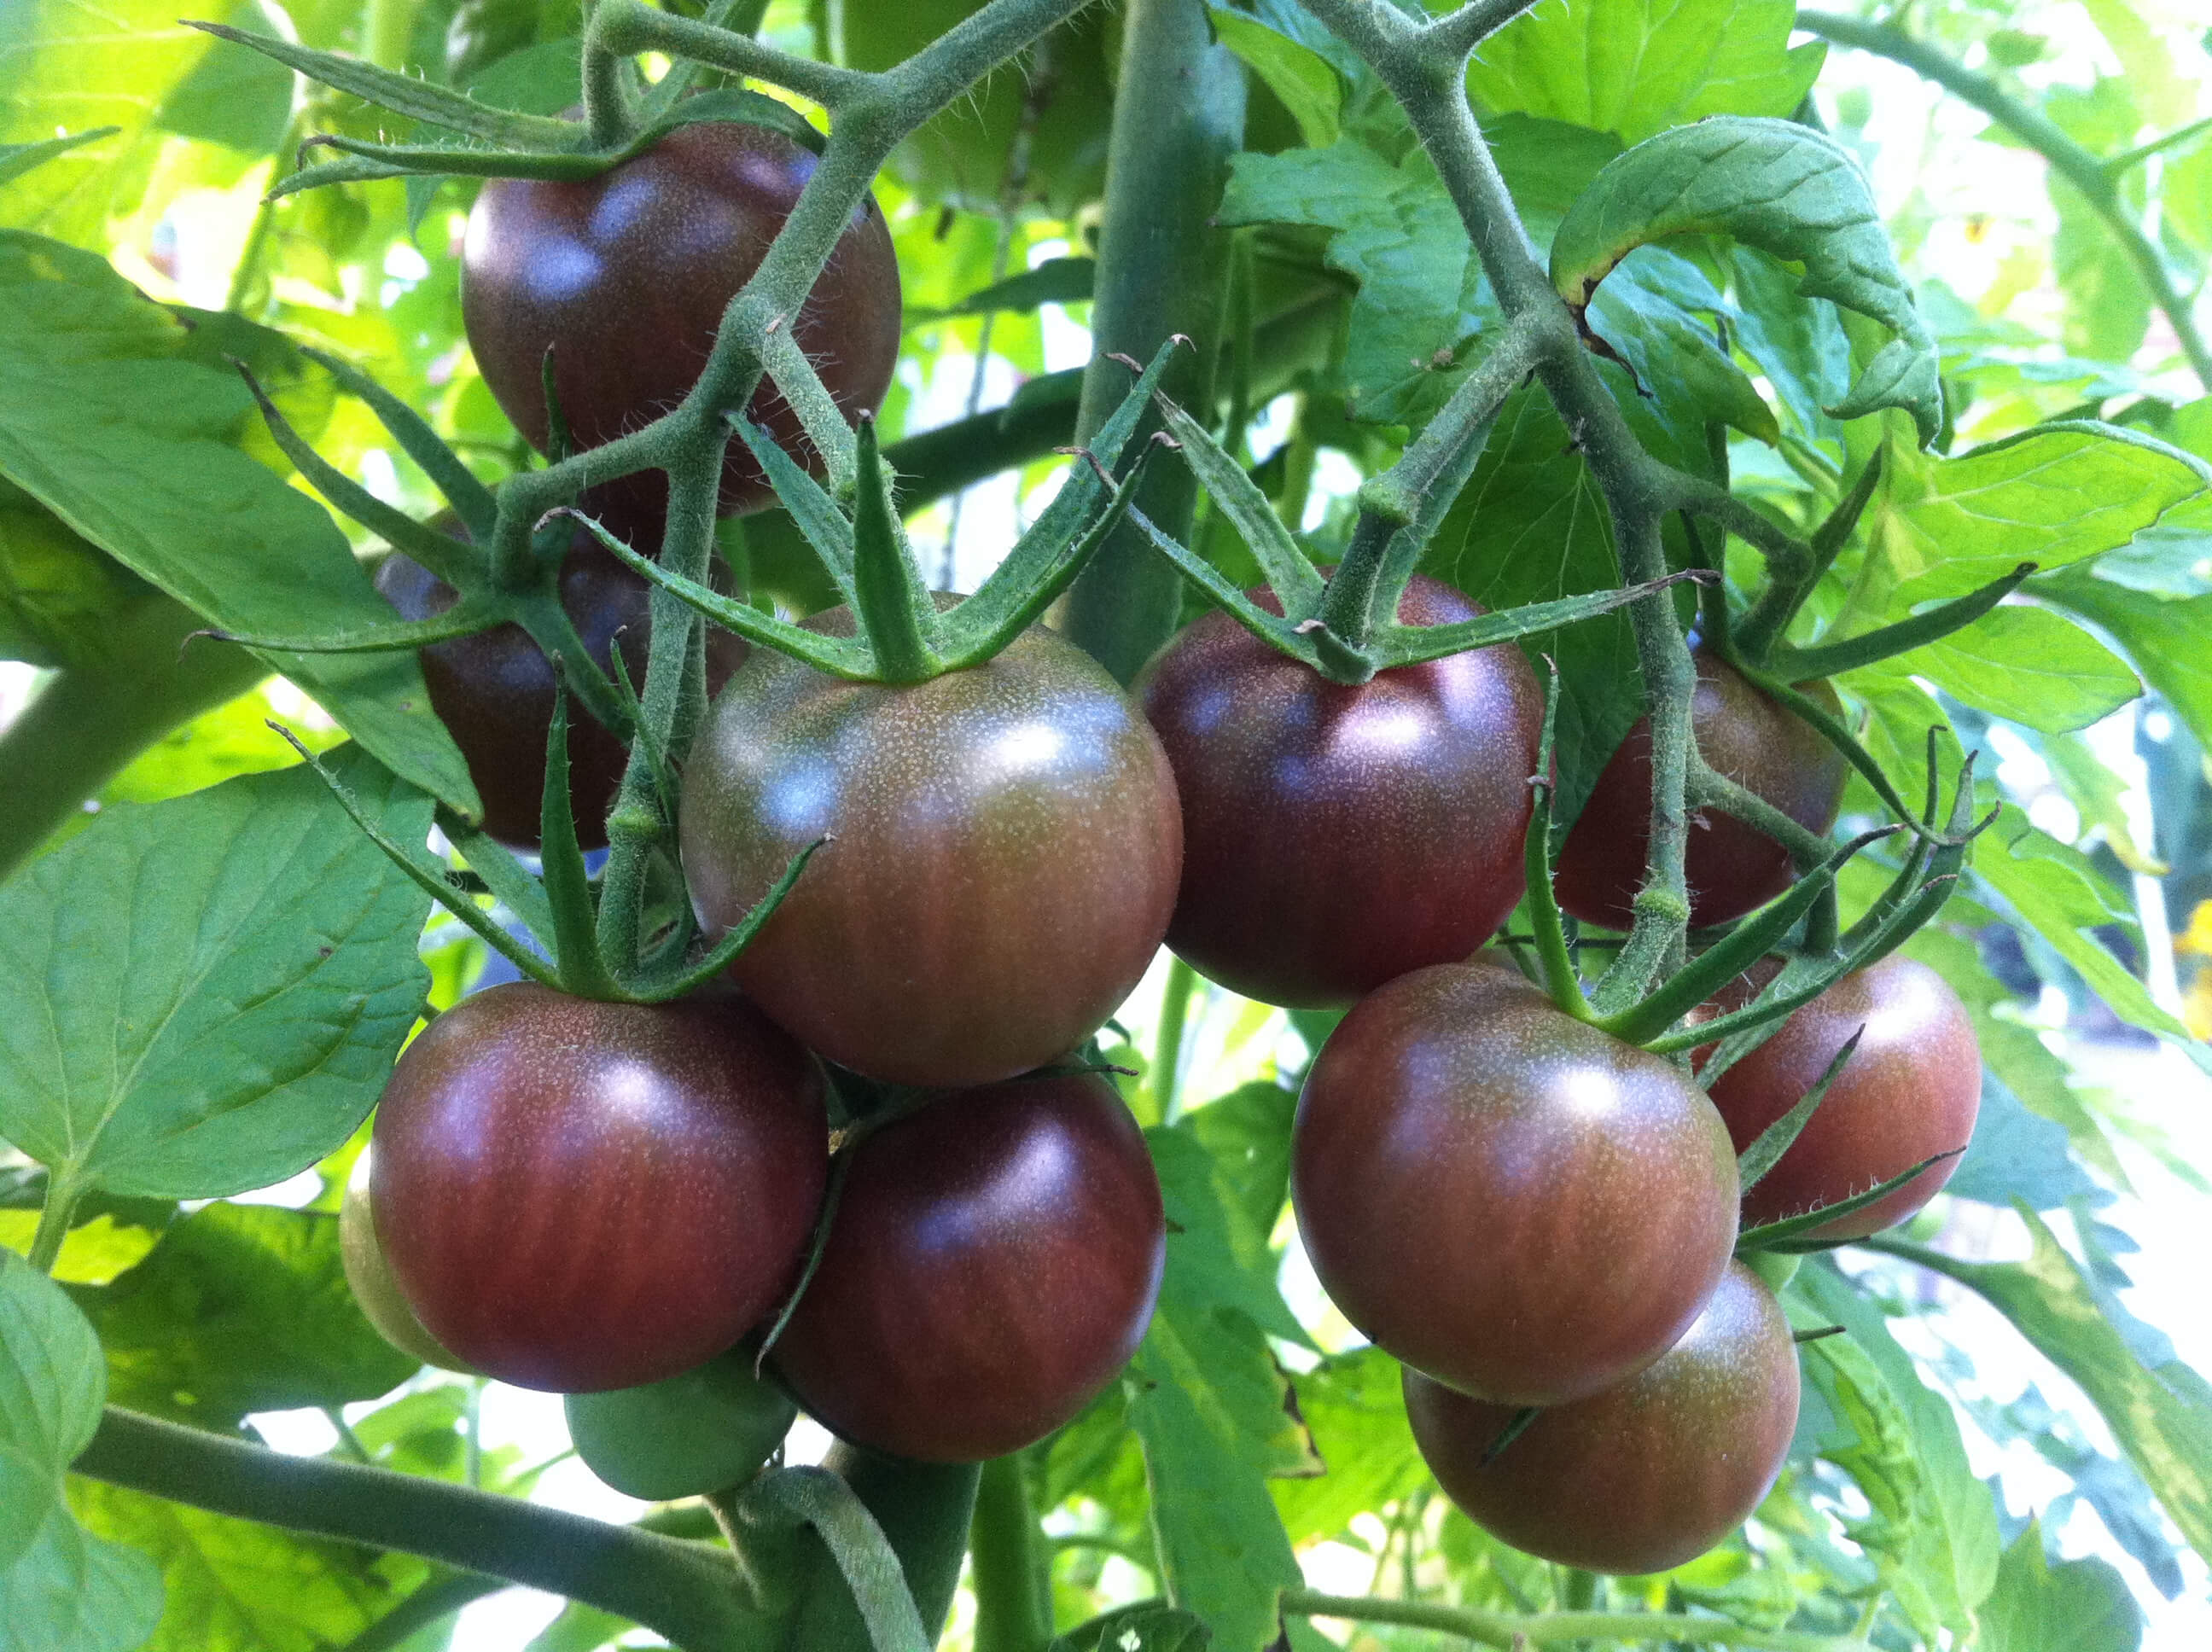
2004 1450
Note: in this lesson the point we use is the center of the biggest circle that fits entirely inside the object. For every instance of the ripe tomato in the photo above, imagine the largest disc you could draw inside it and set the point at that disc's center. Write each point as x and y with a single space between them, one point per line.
1336 837
493 691
992 1264
578 1196
1910 1091
625 277
1645 1475
1004 846
1731 868
1505 1196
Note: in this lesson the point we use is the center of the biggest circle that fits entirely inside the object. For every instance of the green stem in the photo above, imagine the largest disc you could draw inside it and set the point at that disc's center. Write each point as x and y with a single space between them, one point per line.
1013 1611
2097 179
924 1509
1501 1628
683 1591
1178 116
1167 1048
435 1601
86 722
54 1216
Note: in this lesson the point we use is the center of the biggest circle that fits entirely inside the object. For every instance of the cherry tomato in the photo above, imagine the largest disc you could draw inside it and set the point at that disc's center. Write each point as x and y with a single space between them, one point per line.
1004 842
577 1196
1910 1091
1336 837
624 278
1519 1205
1731 867
369 1276
493 691
701 1431
992 1264
1645 1475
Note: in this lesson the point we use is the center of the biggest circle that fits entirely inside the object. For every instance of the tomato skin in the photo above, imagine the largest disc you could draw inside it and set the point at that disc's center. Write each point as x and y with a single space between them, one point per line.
1006 843
368 1276
578 1196
993 1263
493 691
1643 1476
625 278
1337 837
1730 867
1504 1197
1910 1091
699 1431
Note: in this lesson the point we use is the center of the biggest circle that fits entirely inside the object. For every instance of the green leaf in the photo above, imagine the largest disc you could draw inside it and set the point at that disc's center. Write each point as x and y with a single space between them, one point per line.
237 1586
16 159
1786 190
1247 1133
1355 1405
2028 665
241 1308
2160 1414
2076 1605
1301 78
2164 637
133 446
1145 1627
1636 67
61 1589
1211 1408
57 593
1932 1530
212 990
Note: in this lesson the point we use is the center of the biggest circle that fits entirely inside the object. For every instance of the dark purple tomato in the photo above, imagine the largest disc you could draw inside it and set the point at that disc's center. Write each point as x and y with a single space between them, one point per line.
1645 1475
1731 867
578 1196
368 1275
992 1265
625 277
1910 1091
1519 1205
1003 861
493 691
1336 837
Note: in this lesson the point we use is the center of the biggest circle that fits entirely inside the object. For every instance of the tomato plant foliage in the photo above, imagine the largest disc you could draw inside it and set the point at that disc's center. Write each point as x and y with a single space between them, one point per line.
1747 457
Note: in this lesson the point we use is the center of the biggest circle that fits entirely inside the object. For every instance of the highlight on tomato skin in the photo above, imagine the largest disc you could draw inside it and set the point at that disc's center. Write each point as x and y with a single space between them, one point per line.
1004 846
1640 1477
1910 1091
1292 783
1730 867
1508 1199
624 278
992 1265
578 1196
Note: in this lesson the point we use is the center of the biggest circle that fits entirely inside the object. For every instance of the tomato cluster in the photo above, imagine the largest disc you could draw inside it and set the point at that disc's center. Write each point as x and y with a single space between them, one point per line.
636 1204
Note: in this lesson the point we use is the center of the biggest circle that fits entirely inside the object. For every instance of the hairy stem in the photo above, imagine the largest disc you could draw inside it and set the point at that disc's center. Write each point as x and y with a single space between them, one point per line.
685 1591
1508 1630
1178 116
2097 181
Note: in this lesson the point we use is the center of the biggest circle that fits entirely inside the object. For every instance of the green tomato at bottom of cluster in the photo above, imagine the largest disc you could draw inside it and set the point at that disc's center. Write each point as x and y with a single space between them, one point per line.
705 1431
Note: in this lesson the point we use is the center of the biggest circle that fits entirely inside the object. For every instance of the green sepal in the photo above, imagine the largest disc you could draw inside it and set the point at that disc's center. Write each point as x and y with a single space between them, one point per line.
1561 979
503 877
459 564
826 528
1775 1234
568 886
1292 577
1272 629
1826 660
472 500
675 983
406 95
1764 1154
466 618
1414 645
896 614
16 159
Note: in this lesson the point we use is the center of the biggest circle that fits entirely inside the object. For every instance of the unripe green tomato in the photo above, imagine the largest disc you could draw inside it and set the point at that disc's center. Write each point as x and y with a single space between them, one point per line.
1774 1268
705 1429
375 1289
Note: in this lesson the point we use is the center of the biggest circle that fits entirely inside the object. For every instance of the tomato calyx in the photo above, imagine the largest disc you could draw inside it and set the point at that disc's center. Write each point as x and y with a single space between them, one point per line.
902 634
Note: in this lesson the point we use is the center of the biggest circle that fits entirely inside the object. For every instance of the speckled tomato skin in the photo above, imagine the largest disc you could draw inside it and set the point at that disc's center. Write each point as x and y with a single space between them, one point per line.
578 1196
1646 1475
1910 1091
1730 867
1335 837
993 1263
625 278
1005 843
1518 1204
493 691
